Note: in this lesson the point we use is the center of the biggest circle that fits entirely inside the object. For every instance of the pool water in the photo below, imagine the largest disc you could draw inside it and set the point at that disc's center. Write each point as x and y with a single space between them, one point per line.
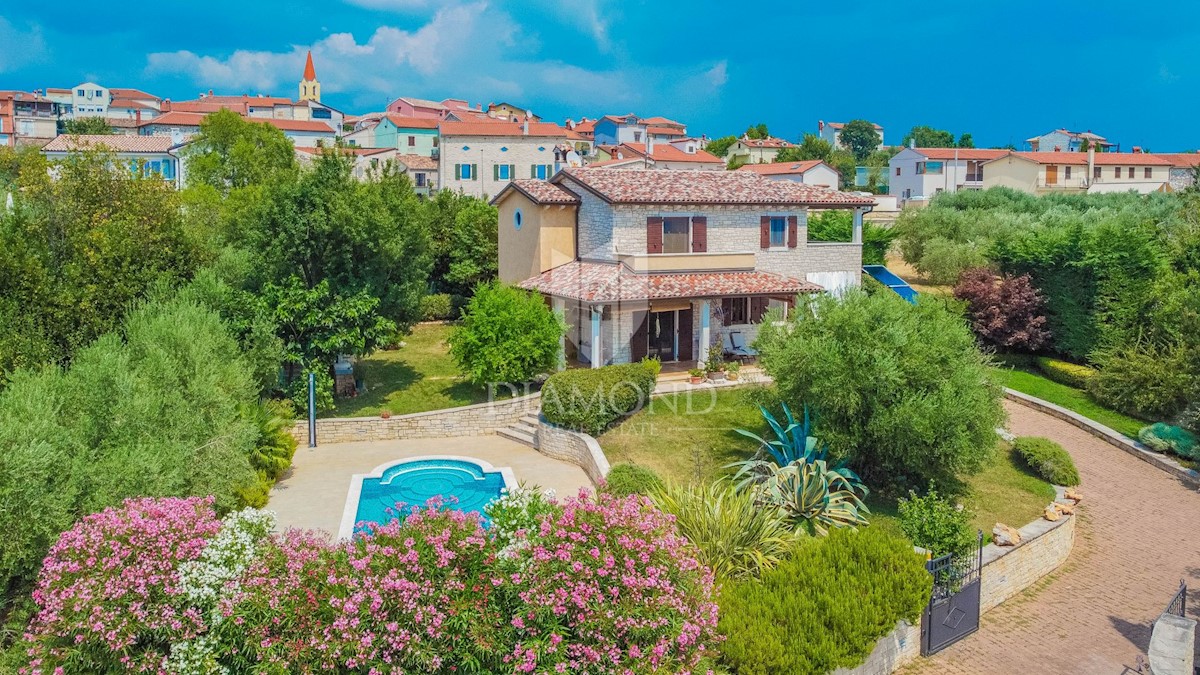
464 485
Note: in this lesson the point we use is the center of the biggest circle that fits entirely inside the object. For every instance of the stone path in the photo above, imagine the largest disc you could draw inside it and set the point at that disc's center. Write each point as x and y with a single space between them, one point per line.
1138 534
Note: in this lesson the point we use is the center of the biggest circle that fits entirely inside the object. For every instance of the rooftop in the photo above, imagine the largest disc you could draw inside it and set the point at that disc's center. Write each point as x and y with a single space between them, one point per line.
960 153
404 122
1101 158
175 118
782 168
665 152
662 186
125 144
769 142
419 162
499 128
612 282
839 125
538 191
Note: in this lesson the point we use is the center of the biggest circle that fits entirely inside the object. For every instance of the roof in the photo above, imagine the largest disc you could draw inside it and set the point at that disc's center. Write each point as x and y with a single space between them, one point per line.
310 73
665 152
175 118
1180 160
662 186
295 125
1097 138
839 125
498 128
346 150
405 122
769 142
662 121
121 92
129 103
419 162
611 282
782 168
127 144
538 191
586 127
961 153
664 131
1101 158
422 103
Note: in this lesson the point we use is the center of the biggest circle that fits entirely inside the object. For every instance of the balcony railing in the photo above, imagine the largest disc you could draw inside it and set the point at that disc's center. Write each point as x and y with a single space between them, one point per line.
1064 183
650 263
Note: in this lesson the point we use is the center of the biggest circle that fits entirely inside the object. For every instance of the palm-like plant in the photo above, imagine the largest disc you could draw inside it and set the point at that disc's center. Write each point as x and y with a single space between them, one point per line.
792 444
735 536
813 496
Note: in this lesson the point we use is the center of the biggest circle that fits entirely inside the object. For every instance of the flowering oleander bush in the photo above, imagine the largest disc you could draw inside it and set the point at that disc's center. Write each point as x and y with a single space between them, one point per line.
582 586
109 593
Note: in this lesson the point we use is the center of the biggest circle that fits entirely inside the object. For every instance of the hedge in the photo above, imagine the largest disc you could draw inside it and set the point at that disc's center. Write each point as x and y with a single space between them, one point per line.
1065 372
630 479
438 307
591 399
1048 460
825 607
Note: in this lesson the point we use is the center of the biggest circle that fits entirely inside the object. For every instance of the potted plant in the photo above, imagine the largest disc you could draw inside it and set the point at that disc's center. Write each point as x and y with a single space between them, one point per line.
696 376
731 370
714 362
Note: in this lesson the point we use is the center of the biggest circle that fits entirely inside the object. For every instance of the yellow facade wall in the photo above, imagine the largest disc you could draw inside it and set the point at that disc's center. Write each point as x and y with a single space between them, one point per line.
544 240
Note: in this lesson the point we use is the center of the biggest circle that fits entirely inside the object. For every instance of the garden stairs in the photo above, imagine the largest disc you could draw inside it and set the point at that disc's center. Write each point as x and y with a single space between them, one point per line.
524 431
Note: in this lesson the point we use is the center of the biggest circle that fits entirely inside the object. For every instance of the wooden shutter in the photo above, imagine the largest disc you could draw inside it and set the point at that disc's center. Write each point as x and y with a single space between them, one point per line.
533 170
495 172
699 234
474 172
758 307
684 333
793 230
639 344
512 171
458 172
764 232
654 234
727 311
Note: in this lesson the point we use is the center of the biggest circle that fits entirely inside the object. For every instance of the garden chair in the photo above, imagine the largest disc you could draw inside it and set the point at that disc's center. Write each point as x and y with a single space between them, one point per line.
740 347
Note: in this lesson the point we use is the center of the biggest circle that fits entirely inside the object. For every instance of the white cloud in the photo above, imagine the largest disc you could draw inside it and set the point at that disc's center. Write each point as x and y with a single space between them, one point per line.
718 75
21 47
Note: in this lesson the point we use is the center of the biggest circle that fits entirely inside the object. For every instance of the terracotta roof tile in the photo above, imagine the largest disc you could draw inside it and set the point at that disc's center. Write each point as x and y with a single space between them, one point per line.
962 153
664 131
137 94
295 125
662 186
131 144
499 128
610 282
661 121
418 162
770 142
539 191
782 168
412 122
1102 158
664 152
1180 160
174 118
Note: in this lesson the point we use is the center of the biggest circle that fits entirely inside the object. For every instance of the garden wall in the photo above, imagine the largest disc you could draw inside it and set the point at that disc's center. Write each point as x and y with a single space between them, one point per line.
574 447
472 420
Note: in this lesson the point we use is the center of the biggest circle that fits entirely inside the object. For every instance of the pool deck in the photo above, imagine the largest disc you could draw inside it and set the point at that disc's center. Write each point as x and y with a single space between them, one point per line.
312 495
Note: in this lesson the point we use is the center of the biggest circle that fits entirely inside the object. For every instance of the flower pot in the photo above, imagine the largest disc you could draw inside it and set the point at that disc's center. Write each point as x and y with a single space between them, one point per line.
731 376
717 376
696 380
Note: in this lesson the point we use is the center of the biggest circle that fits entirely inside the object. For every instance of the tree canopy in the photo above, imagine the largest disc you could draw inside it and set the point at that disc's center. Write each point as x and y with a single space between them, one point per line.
233 152
927 137
758 131
720 146
87 126
860 138
810 147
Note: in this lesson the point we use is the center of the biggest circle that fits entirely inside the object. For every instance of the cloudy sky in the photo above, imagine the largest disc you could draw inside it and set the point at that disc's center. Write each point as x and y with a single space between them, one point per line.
1001 70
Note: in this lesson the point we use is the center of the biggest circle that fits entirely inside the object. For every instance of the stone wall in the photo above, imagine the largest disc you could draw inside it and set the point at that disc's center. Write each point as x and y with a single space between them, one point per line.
894 650
1008 570
472 420
574 447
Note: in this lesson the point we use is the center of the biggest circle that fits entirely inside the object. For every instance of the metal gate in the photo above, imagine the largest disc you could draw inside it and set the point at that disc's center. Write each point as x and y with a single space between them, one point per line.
953 609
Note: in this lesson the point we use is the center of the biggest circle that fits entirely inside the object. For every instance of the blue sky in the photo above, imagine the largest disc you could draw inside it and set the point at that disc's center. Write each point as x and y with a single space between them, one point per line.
1001 70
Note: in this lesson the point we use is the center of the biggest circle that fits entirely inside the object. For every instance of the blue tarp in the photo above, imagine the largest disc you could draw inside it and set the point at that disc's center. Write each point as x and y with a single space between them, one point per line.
884 276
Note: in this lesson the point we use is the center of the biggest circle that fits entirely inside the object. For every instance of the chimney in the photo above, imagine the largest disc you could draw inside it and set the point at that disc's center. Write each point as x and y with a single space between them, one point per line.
912 143
820 125
525 127
650 144
210 92
1091 163
138 117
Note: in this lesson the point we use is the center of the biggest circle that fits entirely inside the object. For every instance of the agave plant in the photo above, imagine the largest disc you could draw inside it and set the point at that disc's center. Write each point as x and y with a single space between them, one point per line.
793 444
735 536
813 496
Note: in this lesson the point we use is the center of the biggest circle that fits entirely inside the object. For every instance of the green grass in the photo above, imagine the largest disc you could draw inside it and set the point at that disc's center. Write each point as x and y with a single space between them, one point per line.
1070 398
694 447
417 377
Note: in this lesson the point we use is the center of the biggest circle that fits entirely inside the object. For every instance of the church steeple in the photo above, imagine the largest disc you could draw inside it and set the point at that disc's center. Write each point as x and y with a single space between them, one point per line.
310 88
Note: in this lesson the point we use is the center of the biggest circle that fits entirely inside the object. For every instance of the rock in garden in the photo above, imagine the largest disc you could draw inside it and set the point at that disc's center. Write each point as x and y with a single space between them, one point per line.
1052 513
1073 495
1003 535
1065 509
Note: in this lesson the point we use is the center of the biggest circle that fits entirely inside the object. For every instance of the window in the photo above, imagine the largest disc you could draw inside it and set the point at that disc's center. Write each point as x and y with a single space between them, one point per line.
637 137
778 231
168 168
1148 172
420 179
1131 172
735 311
1066 173
80 92
99 93
932 168
155 168
1117 172
503 171
463 171
676 237
435 141
518 218
1096 173
541 171
897 171
321 114
412 141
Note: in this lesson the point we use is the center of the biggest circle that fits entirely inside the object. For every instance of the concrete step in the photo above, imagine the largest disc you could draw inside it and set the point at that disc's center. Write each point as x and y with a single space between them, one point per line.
518 435
524 427
531 420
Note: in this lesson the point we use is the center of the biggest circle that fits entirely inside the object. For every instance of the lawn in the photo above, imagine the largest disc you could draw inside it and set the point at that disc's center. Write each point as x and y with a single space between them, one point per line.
418 376
1070 398
694 444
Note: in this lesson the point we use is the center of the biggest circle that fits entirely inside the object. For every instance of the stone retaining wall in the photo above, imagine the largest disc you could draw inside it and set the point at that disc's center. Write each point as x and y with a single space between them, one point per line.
471 420
1107 435
574 447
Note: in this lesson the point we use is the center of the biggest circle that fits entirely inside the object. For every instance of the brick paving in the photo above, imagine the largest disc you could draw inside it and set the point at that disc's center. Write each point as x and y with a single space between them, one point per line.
1138 534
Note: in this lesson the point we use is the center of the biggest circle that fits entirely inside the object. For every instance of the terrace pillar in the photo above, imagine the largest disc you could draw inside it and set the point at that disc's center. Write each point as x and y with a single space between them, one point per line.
705 332
560 308
597 313
858 226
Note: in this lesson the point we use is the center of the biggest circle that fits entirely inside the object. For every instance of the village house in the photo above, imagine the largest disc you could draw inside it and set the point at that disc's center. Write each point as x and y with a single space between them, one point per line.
410 135
615 130
27 118
1063 140
685 155
422 170
1078 172
148 155
917 174
755 150
366 162
831 132
507 112
811 172
1183 168
665 263
480 158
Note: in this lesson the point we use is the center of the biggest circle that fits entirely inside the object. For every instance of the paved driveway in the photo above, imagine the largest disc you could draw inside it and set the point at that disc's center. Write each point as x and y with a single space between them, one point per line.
313 493
1138 534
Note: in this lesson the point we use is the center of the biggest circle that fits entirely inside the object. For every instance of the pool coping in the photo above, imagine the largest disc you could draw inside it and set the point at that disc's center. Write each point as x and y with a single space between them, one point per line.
350 510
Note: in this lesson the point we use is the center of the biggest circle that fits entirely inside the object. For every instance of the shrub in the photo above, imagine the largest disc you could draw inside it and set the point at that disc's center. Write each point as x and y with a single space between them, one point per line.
943 260
901 391
1065 372
1147 382
590 399
935 523
1003 311
836 225
631 479
437 307
1048 460
1161 437
507 335
825 606
735 536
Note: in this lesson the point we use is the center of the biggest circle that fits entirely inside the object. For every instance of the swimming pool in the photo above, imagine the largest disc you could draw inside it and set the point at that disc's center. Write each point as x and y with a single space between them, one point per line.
465 483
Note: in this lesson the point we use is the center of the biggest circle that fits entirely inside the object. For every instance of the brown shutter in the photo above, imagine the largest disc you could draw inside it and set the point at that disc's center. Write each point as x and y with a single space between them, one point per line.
764 232
684 332
699 234
654 234
793 230
639 345
758 307
727 311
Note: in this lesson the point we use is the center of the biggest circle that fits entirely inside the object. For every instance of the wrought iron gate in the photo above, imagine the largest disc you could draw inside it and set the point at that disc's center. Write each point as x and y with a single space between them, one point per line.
953 609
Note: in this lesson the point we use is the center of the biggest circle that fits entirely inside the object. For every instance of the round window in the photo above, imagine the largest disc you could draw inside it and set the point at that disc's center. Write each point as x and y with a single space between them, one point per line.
517 218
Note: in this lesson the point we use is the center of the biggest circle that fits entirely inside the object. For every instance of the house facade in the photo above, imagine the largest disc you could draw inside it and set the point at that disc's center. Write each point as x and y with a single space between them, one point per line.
422 170
1183 168
148 155
408 135
1078 172
615 130
662 263
480 158
27 118
811 172
831 132
917 174
656 155
1063 140
756 150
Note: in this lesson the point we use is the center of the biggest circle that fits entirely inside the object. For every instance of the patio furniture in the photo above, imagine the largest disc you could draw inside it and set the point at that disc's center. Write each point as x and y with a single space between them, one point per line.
740 347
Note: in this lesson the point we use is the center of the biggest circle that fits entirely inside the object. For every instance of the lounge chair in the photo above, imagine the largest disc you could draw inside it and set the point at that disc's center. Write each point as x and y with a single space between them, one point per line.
727 345
739 345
